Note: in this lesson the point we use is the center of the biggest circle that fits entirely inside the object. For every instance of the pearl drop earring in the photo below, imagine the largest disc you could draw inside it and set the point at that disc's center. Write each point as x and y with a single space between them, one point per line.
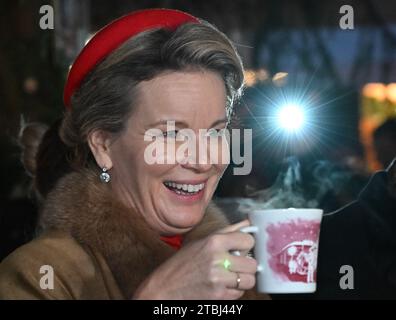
105 176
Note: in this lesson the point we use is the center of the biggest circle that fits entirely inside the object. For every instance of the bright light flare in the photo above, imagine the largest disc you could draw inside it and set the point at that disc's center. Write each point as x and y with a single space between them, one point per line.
291 117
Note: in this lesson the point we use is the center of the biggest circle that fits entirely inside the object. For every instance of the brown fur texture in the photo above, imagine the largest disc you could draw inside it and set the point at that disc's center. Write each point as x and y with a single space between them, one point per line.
84 207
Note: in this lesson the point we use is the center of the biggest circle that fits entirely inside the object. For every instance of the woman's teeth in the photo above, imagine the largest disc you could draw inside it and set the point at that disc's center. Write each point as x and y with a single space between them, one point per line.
184 188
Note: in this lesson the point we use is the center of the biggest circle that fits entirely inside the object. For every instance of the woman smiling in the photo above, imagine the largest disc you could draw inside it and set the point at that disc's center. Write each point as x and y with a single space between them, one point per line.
113 226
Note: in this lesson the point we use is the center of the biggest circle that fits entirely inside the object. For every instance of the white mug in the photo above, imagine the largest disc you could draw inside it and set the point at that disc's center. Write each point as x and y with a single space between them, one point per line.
286 249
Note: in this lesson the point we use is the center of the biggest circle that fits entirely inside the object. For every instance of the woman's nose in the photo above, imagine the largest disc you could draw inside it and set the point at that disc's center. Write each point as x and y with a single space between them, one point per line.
203 153
199 162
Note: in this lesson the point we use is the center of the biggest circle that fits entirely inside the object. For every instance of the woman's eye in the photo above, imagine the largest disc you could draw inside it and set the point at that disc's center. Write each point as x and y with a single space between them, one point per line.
170 134
214 132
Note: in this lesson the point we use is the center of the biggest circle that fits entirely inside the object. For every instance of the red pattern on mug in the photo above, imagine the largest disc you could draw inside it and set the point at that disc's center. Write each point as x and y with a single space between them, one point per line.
293 249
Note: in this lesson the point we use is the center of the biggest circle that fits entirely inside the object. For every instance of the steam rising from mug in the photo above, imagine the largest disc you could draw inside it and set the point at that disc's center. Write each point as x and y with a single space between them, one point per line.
293 190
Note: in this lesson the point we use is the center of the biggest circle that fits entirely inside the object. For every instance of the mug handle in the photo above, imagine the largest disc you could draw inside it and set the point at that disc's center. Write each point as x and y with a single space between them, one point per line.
249 229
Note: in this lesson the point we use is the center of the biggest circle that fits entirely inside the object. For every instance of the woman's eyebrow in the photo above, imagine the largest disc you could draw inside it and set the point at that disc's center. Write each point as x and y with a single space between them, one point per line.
217 122
169 121
183 124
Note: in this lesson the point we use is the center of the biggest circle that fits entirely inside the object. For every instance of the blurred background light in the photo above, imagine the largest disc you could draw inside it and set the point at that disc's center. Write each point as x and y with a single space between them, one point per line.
291 117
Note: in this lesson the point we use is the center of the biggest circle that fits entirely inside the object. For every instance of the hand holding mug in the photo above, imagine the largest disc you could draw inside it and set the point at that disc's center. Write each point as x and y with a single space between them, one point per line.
205 269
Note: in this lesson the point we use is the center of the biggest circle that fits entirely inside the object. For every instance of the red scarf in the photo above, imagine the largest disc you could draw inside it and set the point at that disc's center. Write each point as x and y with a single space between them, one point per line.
174 241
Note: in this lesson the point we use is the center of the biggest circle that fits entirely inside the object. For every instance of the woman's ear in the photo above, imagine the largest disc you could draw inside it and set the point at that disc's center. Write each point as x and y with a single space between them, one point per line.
99 143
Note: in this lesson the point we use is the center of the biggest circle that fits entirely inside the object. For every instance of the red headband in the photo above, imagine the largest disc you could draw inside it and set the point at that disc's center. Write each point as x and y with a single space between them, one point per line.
113 35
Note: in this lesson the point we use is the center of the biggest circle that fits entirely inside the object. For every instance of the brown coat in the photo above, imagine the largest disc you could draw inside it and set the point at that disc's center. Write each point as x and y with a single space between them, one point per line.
97 248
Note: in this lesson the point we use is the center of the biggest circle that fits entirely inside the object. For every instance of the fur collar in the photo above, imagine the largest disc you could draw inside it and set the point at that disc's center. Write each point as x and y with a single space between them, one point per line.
84 207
